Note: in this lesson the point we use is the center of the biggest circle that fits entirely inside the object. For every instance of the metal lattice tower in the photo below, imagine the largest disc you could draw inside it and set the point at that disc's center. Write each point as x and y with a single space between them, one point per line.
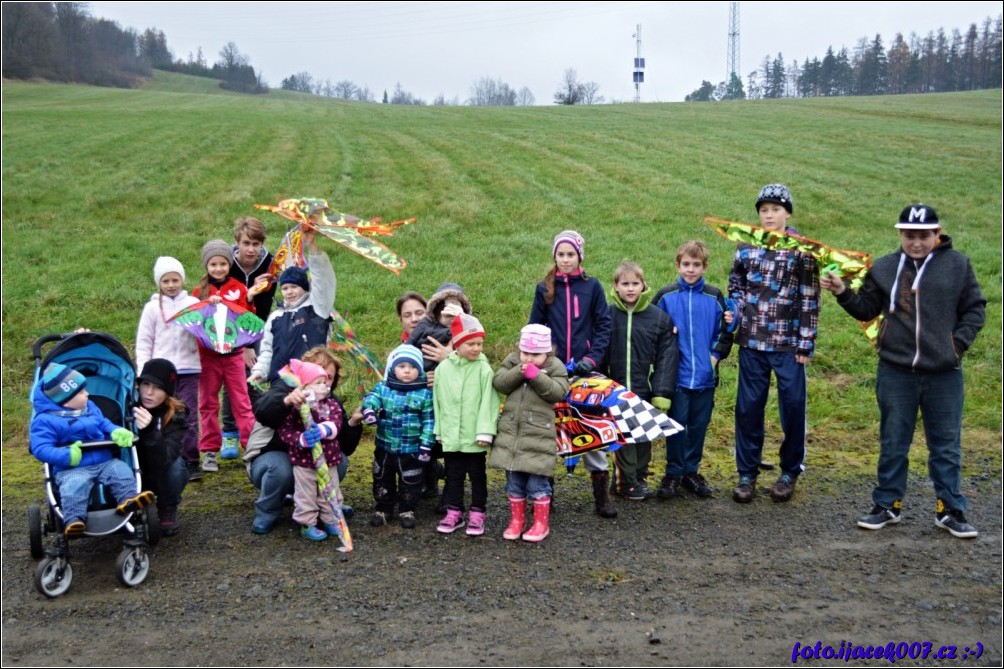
732 55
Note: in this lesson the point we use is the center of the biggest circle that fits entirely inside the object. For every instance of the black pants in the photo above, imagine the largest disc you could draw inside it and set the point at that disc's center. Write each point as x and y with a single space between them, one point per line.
459 467
397 479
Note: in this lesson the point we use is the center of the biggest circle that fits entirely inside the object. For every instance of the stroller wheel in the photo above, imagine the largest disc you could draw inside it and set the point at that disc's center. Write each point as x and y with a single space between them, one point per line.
133 565
35 531
53 576
152 519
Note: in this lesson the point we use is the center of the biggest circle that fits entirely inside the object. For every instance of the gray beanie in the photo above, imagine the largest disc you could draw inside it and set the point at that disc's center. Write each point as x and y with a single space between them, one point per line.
217 247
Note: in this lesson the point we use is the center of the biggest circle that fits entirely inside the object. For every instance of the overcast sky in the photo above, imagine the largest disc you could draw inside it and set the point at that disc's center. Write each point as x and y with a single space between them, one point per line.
434 48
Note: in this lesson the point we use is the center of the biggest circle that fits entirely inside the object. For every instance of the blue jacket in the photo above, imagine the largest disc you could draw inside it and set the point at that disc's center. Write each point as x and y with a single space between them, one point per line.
579 317
54 428
406 420
697 312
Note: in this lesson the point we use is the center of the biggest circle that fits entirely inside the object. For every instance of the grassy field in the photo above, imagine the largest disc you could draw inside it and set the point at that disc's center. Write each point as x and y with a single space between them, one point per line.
98 182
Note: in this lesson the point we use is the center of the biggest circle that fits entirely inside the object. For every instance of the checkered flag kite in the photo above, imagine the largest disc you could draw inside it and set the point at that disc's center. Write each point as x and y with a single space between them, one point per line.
600 413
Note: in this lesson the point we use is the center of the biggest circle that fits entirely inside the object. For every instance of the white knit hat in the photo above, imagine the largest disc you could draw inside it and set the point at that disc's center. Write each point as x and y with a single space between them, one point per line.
166 265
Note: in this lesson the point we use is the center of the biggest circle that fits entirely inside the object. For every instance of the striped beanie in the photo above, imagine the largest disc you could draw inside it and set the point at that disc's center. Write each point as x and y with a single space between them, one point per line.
60 383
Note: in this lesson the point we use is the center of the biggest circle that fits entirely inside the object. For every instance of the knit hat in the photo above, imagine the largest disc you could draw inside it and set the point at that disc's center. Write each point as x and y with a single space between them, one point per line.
161 373
918 217
465 327
404 353
166 265
573 238
60 383
217 247
778 194
296 276
535 338
434 309
304 373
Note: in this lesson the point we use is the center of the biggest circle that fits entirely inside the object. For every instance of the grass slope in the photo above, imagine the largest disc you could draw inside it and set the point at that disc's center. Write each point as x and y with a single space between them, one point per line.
99 182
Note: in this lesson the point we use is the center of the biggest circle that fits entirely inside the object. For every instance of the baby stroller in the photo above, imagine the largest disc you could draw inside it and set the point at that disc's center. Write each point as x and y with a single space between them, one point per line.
111 383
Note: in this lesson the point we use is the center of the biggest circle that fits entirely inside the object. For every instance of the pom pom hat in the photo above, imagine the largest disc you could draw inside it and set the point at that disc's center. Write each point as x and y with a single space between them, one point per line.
574 239
464 328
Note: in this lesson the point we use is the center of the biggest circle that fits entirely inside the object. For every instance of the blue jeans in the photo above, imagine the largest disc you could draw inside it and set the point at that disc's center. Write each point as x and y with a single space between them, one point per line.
172 483
521 485
75 486
939 398
272 473
755 368
684 450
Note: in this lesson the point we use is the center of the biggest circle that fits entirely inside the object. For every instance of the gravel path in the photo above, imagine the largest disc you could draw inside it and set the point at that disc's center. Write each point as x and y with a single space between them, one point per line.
685 582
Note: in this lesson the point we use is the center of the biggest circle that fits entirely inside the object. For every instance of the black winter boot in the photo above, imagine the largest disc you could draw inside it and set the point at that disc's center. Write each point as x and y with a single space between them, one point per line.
601 495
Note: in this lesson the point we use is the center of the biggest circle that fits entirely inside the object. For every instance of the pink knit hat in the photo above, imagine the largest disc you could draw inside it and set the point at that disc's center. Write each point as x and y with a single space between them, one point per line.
304 372
535 338
465 327
573 238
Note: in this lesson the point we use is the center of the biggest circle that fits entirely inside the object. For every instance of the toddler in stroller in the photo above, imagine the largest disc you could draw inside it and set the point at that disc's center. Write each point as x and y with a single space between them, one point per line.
91 488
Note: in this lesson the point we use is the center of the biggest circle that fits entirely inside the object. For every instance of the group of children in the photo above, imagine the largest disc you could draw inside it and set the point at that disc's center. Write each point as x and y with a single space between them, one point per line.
665 347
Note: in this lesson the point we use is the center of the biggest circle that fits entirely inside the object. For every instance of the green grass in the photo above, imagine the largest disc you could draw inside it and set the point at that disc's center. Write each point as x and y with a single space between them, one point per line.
98 182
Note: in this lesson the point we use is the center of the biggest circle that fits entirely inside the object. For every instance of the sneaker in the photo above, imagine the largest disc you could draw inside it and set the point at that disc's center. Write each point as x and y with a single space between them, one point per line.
379 519
313 533
229 449
639 493
75 529
954 521
194 471
135 503
880 516
452 521
170 523
475 523
332 530
743 493
407 519
697 484
783 488
668 487
209 463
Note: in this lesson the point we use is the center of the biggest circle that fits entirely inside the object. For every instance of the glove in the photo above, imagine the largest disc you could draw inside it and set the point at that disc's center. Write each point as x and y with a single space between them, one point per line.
661 403
310 437
75 453
369 416
584 366
327 429
122 437
424 456
531 371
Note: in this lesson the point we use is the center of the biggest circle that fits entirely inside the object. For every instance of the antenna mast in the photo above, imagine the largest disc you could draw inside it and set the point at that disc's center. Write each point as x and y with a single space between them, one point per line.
732 55
639 66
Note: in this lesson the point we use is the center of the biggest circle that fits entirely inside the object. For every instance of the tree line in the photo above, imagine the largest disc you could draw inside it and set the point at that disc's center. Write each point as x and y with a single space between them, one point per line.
937 63
61 41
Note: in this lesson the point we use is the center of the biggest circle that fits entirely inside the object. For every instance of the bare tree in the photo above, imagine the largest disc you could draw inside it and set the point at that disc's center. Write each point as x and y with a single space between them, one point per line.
364 94
345 90
569 90
591 93
488 92
524 98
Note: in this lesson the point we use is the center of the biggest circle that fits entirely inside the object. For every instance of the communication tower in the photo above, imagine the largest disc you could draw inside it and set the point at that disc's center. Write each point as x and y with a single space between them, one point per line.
732 55
639 66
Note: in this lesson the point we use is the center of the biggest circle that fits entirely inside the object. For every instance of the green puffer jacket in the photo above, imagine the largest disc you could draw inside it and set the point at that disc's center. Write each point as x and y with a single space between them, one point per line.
466 406
526 441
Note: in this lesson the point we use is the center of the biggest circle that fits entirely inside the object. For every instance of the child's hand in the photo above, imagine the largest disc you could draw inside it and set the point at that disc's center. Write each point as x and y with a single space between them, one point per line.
369 416
431 376
260 286
802 359
327 429
356 417
75 453
310 437
424 456
295 398
250 357
484 444
215 299
729 317
142 417
122 437
832 282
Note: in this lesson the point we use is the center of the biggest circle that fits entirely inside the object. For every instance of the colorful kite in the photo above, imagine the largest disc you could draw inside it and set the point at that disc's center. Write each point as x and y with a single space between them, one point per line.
222 327
600 413
350 231
343 338
849 265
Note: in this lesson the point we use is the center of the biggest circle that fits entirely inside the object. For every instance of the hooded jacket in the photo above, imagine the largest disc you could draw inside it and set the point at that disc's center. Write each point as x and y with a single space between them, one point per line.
262 301
430 325
931 308
526 437
406 423
697 310
578 317
294 329
156 338
642 353
55 427
466 405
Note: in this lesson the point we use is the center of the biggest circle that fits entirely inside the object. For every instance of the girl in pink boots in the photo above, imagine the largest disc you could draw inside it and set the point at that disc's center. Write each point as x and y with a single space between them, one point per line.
533 379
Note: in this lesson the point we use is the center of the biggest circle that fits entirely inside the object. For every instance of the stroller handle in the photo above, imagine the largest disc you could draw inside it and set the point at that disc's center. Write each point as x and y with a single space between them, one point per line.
36 349
104 443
